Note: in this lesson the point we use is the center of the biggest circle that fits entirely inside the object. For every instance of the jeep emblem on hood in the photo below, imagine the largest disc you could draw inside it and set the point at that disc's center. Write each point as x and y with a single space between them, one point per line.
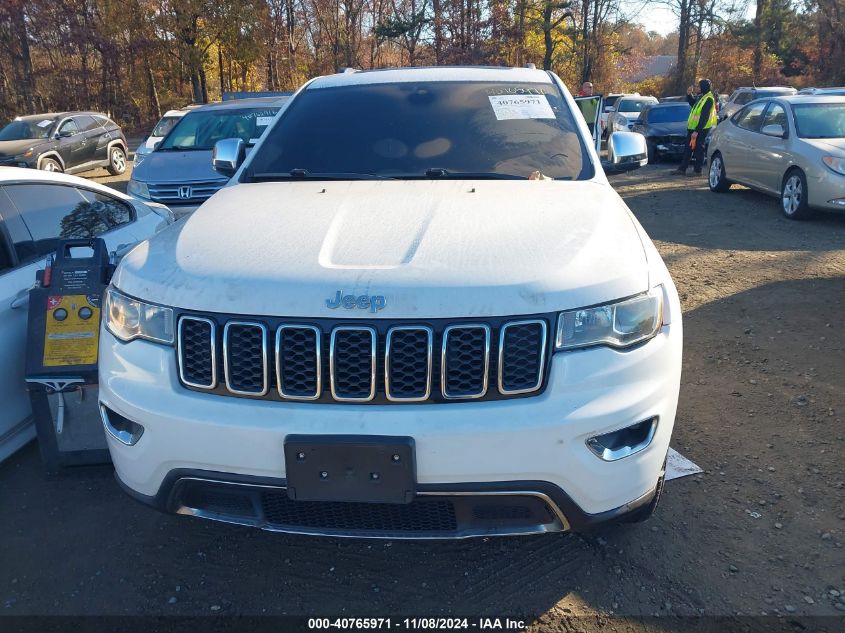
362 302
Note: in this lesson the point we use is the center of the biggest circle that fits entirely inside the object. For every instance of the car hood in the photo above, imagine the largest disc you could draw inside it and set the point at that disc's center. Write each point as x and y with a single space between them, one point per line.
13 148
666 129
159 167
836 145
431 248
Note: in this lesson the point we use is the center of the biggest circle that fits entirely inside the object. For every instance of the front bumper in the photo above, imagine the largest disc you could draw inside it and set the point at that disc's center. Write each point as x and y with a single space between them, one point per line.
534 445
826 189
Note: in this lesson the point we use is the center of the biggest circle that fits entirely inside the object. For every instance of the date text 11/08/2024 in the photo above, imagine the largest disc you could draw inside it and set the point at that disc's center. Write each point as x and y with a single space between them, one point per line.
482 624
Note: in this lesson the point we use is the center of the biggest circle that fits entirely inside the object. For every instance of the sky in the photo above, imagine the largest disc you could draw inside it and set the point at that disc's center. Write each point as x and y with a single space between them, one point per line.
659 17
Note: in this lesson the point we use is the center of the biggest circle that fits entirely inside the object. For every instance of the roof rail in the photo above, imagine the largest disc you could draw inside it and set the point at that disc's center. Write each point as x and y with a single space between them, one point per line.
344 70
530 66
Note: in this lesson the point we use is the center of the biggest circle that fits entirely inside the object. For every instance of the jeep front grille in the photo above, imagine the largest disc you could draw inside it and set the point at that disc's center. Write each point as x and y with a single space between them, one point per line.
380 361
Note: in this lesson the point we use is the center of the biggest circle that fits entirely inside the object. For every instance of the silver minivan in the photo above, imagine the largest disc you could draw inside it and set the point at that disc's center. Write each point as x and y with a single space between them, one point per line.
178 171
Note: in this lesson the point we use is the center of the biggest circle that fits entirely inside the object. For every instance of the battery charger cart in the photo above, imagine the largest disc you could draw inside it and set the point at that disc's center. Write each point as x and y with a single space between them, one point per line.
62 346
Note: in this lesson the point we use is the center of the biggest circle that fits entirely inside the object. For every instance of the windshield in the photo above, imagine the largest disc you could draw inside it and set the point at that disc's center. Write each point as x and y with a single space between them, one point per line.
675 114
201 129
633 105
820 120
426 129
165 125
21 130
609 101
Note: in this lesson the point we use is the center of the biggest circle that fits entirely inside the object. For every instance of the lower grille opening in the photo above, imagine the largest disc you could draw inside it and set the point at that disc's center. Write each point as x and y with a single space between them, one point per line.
427 516
421 515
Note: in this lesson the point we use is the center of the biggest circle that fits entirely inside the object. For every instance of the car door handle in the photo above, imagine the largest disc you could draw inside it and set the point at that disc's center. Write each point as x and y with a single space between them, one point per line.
22 298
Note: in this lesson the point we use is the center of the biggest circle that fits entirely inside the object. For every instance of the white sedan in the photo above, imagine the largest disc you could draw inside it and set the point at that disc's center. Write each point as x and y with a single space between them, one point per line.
33 206
626 112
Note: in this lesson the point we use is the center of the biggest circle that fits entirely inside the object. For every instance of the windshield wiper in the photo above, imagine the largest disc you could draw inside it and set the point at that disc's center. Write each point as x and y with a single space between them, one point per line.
304 174
439 172
182 148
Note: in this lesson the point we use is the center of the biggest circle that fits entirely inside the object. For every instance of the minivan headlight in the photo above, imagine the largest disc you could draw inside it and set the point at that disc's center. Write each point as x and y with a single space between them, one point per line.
836 163
129 318
138 189
619 324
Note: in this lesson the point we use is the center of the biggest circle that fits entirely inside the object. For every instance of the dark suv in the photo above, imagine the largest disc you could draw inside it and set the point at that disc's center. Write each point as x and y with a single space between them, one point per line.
65 141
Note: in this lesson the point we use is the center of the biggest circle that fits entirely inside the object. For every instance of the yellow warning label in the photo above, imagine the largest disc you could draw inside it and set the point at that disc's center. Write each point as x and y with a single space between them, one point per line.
72 330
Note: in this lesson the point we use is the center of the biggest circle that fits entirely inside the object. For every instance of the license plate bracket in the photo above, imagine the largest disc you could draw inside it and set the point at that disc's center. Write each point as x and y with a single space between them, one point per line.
354 468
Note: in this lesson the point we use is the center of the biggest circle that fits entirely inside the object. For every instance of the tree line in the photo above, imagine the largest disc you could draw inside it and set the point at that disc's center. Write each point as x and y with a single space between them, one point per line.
136 58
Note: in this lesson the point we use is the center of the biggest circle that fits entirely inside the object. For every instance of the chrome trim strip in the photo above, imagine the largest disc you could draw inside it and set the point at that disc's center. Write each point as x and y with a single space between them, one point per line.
213 325
543 343
444 369
609 455
429 351
265 387
318 343
561 526
353 328
124 437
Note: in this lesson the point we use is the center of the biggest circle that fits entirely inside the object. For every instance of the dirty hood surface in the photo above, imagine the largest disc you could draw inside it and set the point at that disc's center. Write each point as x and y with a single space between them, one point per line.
430 248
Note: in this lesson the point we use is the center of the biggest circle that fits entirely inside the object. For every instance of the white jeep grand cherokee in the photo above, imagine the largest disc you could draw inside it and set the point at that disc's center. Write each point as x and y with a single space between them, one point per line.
418 310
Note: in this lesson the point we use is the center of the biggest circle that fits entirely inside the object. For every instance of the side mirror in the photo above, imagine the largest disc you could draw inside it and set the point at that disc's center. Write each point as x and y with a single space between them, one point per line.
227 156
65 133
774 129
626 151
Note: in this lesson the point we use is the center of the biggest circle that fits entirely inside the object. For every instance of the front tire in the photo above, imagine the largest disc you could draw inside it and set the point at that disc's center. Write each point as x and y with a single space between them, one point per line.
794 195
50 164
117 161
653 156
716 177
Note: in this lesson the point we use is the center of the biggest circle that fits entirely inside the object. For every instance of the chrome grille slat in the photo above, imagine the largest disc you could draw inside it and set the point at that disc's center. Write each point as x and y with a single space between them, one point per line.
245 364
465 361
201 190
194 354
522 356
349 363
402 366
295 345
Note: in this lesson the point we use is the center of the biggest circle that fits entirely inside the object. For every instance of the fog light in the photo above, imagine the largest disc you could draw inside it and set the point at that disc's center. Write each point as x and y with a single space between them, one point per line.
122 429
662 147
840 202
624 442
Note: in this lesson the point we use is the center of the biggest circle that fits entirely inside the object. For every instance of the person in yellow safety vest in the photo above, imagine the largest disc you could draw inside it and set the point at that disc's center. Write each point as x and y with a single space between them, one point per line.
702 117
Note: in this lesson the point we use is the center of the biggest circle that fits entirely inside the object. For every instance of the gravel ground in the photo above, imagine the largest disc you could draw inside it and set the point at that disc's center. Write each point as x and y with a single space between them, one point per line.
761 531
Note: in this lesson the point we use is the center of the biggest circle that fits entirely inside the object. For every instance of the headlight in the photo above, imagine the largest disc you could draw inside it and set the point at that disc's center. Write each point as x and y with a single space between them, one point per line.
138 188
619 324
139 158
129 318
836 163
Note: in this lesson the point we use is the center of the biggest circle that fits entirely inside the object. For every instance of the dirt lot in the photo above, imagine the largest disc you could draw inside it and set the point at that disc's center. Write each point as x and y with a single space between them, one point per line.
760 532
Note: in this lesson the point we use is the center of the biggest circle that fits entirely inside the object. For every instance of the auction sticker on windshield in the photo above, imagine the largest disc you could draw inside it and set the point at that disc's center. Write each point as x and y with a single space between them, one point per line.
508 107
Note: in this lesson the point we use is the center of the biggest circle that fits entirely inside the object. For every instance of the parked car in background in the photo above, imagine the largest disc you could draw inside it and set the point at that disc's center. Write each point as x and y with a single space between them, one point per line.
743 96
178 171
626 111
36 209
664 126
609 102
673 99
792 147
165 124
71 142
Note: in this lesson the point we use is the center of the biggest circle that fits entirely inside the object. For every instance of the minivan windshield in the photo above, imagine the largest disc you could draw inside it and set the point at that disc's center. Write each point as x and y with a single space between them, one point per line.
427 129
633 105
201 129
165 125
25 129
820 120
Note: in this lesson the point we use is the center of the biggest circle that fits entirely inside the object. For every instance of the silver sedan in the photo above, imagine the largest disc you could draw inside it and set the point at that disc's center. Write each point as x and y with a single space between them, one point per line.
792 147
